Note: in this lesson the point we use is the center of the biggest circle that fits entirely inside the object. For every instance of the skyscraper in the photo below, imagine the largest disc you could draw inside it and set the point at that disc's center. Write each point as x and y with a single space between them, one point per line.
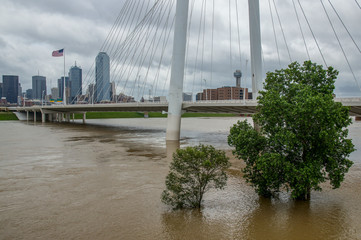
29 94
75 77
102 77
10 88
113 93
61 86
39 87
90 93
55 93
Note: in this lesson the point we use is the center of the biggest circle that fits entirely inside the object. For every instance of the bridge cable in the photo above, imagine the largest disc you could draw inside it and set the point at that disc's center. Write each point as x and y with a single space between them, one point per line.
155 49
110 52
188 42
212 47
134 40
155 46
358 4
283 33
299 24
202 26
91 72
230 34
339 43
143 54
165 41
309 26
112 55
274 32
123 51
197 49
137 39
344 26
186 64
239 36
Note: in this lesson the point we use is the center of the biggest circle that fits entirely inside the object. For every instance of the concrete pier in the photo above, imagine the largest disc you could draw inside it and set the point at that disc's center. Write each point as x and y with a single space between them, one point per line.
256 47
177 72
67 117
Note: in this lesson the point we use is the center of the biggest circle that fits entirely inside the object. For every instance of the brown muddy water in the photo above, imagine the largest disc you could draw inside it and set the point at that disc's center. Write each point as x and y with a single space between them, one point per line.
103 180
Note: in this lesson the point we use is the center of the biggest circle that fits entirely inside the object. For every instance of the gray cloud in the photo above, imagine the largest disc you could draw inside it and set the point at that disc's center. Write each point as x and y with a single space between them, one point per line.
31 30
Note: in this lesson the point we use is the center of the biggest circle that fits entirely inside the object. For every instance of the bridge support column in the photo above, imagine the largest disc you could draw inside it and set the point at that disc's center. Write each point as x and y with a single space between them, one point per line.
256 47
84 118
43 117
27 116
67 116
60 117
177 72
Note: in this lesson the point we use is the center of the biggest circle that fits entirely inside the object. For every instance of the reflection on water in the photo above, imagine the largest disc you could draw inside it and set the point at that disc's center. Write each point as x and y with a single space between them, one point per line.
103 180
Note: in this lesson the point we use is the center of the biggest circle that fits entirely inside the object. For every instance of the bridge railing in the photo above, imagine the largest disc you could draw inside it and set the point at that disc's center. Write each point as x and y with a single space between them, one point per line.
236 101
348 100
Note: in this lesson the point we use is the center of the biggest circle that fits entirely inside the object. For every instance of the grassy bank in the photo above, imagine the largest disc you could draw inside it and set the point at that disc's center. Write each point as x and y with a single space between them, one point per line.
100 115
6 116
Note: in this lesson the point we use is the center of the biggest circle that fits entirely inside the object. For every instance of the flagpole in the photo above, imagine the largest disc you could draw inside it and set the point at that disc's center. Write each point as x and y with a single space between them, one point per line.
64 90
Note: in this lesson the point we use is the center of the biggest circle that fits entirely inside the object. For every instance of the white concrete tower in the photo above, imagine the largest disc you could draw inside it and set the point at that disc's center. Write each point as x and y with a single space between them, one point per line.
177 71
256 48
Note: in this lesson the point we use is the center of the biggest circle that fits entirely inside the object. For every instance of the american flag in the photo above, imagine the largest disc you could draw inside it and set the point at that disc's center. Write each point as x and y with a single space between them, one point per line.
58 53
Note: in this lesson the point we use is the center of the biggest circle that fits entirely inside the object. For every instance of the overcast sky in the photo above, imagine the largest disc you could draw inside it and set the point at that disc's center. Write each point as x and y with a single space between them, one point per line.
31 30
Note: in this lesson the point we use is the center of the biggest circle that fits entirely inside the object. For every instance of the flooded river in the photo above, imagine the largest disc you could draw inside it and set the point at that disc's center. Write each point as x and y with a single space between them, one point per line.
103 180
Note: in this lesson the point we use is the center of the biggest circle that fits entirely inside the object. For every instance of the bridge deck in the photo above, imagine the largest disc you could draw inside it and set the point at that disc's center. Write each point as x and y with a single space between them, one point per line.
226 106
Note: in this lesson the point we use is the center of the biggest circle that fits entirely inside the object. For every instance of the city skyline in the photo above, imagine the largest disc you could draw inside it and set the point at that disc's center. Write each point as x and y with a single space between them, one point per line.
82 27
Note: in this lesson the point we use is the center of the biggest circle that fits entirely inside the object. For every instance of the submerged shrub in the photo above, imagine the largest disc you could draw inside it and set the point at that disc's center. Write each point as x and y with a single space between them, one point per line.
193 171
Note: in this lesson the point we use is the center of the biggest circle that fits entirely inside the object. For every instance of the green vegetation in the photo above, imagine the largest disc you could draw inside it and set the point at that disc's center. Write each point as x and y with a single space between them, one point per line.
100 115
6 116
193 171
303 138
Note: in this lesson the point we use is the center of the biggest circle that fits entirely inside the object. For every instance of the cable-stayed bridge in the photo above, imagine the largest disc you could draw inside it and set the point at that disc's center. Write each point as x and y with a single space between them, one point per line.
208 45
226 106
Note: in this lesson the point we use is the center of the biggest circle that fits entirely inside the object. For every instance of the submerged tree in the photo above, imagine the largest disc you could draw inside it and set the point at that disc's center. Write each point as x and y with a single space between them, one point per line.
303 138
193 171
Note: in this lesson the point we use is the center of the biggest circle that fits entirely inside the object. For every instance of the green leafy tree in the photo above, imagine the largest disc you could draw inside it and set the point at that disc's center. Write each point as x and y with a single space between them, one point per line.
193 171
303 138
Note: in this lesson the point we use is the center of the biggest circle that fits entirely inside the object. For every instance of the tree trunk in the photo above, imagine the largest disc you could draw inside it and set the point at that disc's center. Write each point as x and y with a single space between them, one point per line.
306 196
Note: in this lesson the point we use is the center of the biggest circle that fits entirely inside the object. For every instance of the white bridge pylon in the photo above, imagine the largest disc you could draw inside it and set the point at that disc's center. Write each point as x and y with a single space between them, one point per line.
177 70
